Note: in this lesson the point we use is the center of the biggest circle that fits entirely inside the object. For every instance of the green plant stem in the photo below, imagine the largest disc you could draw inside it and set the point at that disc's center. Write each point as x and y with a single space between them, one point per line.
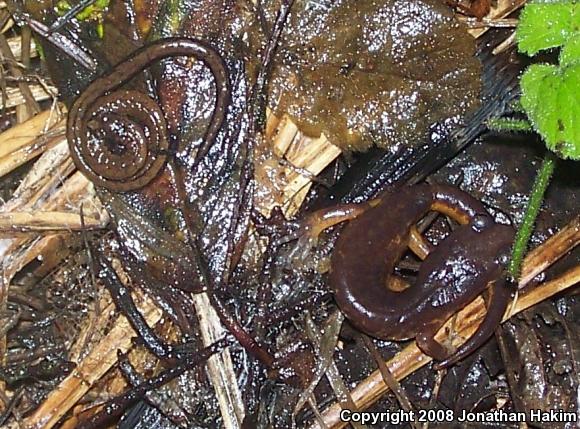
507 124
526 228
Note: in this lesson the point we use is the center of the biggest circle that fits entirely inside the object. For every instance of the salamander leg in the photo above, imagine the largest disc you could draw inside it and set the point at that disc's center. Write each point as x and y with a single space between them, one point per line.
313 225
307 230
499 296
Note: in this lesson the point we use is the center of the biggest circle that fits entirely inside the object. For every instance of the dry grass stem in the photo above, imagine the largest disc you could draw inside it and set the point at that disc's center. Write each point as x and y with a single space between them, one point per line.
28 140
15 98
7 25
220 368
303 159
47 174
540 258
13 223
332 373
505 45
90 370
16 48
500 10
31 106
489 23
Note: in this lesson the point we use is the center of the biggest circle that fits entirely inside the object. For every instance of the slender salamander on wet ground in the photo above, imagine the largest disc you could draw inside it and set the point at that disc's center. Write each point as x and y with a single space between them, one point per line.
118 137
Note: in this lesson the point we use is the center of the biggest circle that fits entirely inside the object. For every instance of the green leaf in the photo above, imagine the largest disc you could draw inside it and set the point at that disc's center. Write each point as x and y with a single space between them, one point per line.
550 99
570 53
547 25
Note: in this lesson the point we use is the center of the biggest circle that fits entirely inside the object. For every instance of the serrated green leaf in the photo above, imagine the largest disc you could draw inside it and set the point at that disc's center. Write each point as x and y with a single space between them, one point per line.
570 53
550 99
547 25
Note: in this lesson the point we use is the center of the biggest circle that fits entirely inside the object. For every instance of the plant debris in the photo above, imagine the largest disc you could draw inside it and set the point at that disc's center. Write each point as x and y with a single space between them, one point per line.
203 262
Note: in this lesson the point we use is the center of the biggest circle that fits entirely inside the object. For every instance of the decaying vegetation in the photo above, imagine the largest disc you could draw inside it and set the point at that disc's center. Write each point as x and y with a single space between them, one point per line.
261 343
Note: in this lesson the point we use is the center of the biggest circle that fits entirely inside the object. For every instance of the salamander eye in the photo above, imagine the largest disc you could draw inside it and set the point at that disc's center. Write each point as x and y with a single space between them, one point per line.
480 222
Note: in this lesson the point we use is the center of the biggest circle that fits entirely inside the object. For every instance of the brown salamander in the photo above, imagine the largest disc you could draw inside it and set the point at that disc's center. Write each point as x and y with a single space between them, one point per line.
118 137
452 274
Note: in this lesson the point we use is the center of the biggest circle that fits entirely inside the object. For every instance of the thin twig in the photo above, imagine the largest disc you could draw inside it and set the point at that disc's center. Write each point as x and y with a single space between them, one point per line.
31 103
388 377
